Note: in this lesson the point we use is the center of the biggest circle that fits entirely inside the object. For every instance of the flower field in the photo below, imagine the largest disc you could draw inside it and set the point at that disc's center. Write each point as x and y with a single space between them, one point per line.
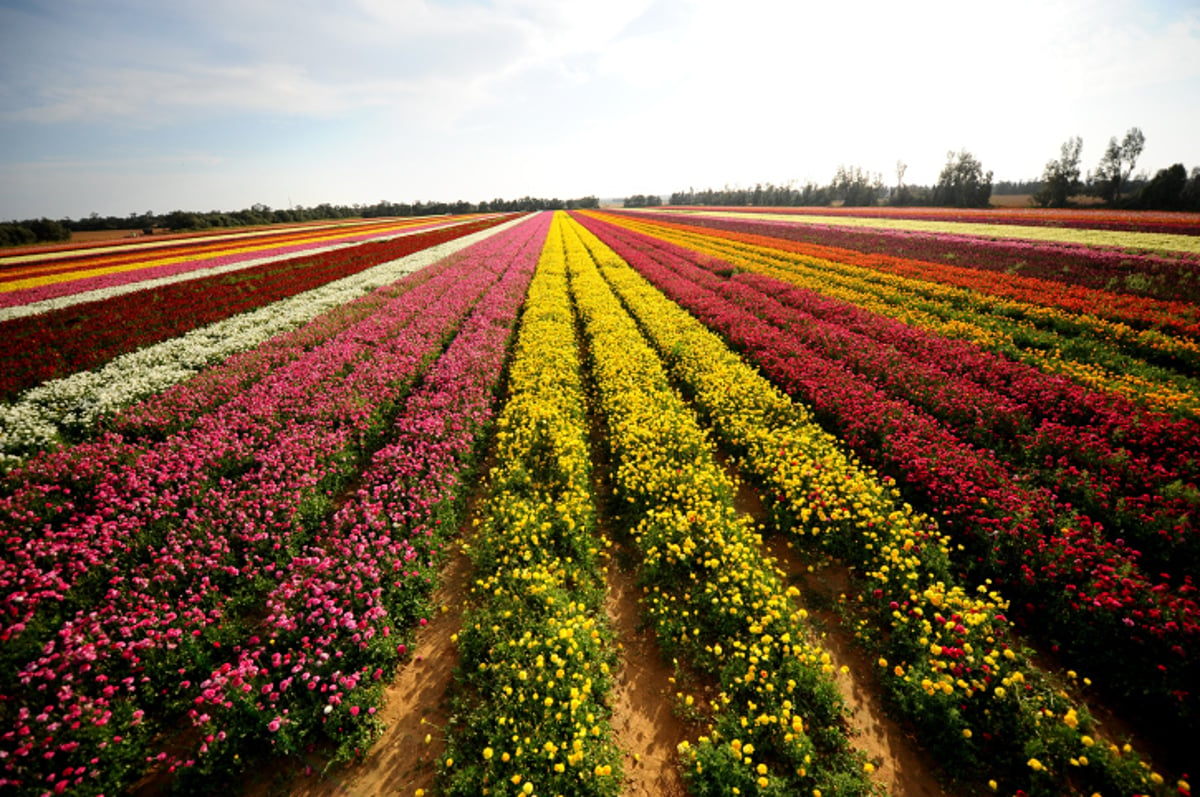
234 467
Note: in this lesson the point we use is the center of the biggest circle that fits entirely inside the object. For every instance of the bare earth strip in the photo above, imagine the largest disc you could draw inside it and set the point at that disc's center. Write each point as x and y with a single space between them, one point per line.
901 766
647 730
400 761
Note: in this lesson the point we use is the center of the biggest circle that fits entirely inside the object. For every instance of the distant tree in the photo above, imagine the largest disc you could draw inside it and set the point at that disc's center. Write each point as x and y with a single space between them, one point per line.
183 220
1117 164
856 187
1191 192
49 230
643 201
1167 191
1060 180
963 183
16 234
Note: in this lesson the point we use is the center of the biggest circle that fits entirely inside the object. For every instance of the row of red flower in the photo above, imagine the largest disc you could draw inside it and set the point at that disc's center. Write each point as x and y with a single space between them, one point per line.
197 531
1072 582
1128 468
1050 275
60 342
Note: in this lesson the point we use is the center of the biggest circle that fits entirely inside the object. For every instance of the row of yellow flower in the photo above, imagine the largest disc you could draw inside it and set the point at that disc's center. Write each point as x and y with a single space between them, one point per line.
778 724
947 661
537 656
1101 354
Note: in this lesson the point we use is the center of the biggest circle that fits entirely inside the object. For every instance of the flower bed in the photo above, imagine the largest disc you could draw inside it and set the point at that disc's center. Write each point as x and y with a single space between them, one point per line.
1065 578
53 344
168 556
943 649
537 655
778 725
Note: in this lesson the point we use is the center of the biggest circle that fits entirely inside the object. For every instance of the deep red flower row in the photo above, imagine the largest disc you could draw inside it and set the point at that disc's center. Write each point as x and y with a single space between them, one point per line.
60 342
1130 469
184 538
1071 581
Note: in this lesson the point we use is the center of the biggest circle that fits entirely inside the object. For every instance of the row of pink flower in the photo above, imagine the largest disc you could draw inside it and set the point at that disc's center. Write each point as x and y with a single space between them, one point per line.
1083 589
251 258
73 510
1114 460
1083 279
217 511
345 602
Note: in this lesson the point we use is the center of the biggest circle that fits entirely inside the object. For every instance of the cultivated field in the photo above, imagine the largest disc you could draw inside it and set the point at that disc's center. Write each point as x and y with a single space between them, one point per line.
675 501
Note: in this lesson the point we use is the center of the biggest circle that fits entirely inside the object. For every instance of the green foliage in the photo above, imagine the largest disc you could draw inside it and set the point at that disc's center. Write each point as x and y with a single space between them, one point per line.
1117 164
1060 180
963 183
30 231
643 201
856 187
1171 189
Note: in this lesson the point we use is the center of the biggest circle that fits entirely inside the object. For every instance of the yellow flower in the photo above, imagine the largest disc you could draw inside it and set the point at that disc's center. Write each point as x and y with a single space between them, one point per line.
1035 765
488 753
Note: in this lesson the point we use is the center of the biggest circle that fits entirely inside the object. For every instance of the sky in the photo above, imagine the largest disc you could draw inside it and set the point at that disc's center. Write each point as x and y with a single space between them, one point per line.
123 106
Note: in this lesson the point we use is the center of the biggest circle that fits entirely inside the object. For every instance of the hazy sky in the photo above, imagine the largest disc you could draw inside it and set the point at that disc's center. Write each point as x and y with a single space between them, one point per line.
124 106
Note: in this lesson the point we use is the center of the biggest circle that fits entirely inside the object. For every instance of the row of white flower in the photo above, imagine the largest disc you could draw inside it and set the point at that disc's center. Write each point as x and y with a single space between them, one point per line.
100 294
35 420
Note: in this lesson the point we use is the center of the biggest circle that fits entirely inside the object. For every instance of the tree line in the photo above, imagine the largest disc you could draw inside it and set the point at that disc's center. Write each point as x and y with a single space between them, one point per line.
29 231
964 183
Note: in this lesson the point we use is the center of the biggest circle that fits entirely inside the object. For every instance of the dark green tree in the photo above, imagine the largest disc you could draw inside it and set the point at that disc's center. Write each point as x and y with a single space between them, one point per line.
1165 192
1061 177
856 187
963 183
1117 164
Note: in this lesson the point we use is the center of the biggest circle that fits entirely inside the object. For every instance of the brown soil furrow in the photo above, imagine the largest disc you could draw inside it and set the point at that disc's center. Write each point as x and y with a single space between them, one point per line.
400 762
902 766
647 730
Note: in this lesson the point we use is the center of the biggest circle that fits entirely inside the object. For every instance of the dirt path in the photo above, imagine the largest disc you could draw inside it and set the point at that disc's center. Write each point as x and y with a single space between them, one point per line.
647 730
903 768
400 762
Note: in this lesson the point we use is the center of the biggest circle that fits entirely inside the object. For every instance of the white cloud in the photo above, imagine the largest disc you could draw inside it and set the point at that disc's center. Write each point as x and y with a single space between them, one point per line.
541 96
